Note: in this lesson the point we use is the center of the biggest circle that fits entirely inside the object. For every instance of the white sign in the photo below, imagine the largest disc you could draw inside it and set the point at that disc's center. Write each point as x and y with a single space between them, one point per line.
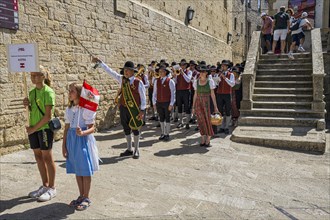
23 58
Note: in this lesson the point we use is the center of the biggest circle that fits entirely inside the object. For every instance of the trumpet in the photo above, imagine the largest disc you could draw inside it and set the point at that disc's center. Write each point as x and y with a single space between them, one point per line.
140 72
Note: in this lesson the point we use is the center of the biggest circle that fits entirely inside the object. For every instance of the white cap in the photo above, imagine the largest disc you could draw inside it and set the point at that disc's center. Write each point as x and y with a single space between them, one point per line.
263 14
304 14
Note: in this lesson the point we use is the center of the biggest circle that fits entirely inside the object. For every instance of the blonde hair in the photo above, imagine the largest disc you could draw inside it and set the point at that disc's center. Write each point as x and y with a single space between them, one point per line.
78 89
46 74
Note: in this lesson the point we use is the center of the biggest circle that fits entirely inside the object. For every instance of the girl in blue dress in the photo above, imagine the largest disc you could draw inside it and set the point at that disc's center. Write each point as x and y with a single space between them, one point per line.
79 146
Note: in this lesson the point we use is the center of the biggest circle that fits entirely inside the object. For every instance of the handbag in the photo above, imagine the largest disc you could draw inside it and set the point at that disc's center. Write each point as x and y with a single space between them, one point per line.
54 123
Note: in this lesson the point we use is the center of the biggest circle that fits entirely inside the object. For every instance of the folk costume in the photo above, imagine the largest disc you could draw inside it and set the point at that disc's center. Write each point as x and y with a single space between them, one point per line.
183 93
132 101
223 96
164 96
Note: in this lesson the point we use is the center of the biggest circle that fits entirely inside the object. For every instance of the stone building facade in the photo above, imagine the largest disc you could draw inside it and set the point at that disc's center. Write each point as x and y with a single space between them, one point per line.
114 30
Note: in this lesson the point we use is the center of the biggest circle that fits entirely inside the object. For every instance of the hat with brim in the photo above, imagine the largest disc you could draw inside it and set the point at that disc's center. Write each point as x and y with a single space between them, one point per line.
183 62
225 62
213 68
202 68
164 67
173 63
192 62
129 65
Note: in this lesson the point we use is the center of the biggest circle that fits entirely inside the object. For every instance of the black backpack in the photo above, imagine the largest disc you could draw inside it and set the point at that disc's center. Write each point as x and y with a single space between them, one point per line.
295 25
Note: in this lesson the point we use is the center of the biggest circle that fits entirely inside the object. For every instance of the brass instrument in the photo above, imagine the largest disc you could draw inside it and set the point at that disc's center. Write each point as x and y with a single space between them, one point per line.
140 72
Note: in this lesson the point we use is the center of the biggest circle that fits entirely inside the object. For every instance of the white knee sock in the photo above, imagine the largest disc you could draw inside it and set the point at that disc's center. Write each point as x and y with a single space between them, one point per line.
228 118
180 117
136 142
167 128
162 127
129 142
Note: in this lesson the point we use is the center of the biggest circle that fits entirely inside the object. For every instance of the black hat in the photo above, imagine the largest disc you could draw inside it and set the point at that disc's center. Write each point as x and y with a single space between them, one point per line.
164 67
162 61
173 63
202 62
183 62
192 62
202 68
225 62
129 65
213 68
235 69
161 64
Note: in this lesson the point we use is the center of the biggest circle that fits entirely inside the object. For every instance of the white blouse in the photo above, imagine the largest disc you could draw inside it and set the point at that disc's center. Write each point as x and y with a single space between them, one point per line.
86 117
211 83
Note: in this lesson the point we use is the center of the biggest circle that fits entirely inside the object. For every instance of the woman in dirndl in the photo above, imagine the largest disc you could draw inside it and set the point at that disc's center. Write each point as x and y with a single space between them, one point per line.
204 88
79 146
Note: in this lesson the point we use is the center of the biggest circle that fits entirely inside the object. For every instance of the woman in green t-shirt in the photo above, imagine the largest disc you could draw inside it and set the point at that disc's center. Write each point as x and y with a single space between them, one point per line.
41 102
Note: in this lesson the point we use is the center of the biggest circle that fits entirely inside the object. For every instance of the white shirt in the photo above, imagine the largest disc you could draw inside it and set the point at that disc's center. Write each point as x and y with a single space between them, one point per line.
211 83
172 89
119 78
187 77
86 117
231 81
147 84
303 22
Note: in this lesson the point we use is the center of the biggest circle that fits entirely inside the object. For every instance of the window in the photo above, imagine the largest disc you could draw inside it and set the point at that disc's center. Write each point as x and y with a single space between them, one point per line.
235 23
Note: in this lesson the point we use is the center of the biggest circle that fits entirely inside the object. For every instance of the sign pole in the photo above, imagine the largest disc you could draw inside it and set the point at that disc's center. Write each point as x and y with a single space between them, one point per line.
27 122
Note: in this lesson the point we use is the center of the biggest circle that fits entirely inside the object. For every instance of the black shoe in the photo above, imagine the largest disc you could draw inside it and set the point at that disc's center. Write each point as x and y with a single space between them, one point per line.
158 125
156 119
176 120
136 155
162 137
126 153
180 125
197 129
166 137
202 145
191 120
152 118
194 121
226 131
208 145
144 123
187 126
222 130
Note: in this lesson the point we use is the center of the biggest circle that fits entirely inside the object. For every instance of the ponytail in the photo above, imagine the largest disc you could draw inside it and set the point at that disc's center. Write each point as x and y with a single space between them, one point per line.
46 73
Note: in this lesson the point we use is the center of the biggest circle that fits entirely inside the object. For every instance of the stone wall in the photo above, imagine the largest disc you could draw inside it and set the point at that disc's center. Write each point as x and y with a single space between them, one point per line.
115 31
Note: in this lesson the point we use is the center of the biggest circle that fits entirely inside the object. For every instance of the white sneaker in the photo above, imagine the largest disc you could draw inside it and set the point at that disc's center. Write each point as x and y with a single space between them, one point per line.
270 52
301 49
38 192
48 195
290 55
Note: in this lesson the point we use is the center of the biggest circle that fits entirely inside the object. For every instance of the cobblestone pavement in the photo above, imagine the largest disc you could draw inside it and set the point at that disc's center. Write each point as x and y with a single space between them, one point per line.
177 180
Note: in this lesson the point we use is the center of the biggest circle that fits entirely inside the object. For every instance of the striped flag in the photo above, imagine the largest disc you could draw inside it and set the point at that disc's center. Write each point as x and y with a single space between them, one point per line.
89 97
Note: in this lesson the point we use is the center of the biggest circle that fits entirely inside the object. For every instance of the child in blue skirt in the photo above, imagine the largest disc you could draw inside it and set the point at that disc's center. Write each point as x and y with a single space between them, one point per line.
79 146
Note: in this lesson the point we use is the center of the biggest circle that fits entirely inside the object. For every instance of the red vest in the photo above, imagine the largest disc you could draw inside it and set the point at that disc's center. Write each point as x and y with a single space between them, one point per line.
223 87
143 80
181 83
135 92
163 90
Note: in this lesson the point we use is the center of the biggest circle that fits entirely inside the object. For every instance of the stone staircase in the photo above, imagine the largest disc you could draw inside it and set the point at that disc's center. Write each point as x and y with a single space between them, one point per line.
281 115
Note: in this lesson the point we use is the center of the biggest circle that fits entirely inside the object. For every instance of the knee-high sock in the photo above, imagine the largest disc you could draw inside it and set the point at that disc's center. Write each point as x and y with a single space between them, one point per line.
223 124
167 128
162 127
136 142
227 121
152 112
188 117
129 142
180 117
176 112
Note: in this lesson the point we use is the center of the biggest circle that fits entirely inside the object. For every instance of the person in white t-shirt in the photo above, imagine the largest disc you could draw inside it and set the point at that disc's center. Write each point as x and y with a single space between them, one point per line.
298 35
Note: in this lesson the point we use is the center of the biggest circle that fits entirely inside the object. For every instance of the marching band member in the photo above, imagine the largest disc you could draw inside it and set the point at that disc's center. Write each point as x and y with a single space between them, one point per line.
132 104
195 75
151 79
163 99
223 95
175 109
183 92
144 78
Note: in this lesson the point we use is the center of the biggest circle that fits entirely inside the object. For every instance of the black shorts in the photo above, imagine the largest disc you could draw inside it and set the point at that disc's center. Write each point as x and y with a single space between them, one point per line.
42 140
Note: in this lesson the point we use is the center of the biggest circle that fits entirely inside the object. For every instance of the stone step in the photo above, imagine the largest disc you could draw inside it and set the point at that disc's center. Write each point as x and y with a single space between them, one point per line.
307 65
285 61
284 84
282 105
278 121
290 138
280 91
287 71
277 56
271 77
293 113
282 97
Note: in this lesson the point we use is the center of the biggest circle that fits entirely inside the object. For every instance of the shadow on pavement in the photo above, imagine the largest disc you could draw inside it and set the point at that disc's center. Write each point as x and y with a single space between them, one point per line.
181 151
112 160
8 204
50 211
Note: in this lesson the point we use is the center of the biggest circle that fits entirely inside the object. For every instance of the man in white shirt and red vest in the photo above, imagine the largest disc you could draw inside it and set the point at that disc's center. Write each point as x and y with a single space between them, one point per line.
223 95
183 92
144 78
164 98
194 76
132 104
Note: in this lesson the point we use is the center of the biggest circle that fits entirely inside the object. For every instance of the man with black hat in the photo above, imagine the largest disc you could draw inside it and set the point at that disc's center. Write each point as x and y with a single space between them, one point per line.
163 99
183 92
195 75
227 81
151 79
132 104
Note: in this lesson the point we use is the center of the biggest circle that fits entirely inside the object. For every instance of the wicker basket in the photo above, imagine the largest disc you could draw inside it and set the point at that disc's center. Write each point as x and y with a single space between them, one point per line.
216 119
